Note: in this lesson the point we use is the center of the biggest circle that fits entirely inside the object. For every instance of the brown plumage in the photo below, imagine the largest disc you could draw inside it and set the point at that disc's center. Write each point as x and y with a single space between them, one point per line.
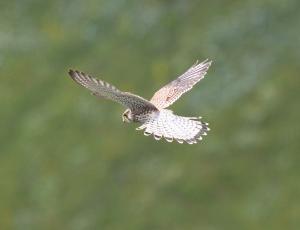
155 119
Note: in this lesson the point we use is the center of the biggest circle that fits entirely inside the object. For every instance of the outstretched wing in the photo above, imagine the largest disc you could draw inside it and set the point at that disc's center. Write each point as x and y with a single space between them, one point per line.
103 89
167 95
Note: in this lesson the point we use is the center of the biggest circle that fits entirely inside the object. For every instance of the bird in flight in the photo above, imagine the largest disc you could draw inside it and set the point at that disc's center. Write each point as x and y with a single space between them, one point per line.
153 116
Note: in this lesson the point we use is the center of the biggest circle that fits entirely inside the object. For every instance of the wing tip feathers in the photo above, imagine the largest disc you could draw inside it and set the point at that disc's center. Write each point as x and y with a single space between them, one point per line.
71 72
75 73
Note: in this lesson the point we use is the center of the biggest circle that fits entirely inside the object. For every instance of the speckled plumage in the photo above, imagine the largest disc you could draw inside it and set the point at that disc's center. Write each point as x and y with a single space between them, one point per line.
155 119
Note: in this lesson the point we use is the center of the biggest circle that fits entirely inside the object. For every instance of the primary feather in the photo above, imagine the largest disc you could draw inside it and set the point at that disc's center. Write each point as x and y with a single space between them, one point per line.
167 95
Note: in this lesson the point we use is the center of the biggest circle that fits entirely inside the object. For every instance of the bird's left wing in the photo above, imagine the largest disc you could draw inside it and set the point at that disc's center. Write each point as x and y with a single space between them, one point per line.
167 95
103 89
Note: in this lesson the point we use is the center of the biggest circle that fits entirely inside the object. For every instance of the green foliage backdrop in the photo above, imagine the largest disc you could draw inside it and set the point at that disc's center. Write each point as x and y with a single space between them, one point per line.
68 162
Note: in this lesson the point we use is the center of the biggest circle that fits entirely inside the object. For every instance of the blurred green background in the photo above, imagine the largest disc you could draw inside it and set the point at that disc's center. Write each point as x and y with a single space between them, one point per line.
68 162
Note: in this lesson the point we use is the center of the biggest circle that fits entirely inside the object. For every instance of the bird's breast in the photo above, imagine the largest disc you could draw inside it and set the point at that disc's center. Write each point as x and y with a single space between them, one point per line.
145 116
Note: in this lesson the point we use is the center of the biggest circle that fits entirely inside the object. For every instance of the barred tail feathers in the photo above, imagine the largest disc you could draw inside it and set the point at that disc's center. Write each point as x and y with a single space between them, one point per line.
170 127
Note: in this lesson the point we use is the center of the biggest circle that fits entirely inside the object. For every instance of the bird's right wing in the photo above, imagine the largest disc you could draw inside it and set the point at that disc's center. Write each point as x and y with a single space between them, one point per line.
103 89
168 94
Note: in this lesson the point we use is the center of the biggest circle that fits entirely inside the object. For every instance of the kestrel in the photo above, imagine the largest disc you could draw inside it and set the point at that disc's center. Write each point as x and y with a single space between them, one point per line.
156 120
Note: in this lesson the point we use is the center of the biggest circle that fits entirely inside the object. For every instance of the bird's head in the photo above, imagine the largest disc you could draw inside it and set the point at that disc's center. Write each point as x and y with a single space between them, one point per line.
127 116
